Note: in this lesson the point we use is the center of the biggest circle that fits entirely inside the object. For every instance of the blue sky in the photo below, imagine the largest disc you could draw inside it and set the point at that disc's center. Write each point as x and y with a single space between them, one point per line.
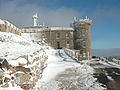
105 30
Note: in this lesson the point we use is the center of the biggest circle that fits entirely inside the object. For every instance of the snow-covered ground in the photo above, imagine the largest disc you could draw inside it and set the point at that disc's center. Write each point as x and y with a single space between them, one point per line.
55 65
14 46
58 70
61 72
110 64
21 56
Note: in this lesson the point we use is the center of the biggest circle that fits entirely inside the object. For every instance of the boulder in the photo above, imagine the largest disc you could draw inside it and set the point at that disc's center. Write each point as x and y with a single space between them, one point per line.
27 86
1 74
7 79
1 81
22 69
4 64
5 85
22 78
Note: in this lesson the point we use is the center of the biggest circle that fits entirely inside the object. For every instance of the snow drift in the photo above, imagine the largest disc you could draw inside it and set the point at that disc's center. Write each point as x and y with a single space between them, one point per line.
13 46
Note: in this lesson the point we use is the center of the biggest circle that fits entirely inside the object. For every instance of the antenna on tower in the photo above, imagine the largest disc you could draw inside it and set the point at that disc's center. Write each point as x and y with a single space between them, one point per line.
86 17
43 23
35 17
75 18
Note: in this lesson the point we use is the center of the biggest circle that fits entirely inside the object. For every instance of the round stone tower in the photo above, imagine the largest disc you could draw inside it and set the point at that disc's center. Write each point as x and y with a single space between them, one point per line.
82 37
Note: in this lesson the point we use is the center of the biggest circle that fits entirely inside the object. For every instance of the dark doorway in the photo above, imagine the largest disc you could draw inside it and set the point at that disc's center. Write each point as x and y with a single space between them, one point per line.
58 45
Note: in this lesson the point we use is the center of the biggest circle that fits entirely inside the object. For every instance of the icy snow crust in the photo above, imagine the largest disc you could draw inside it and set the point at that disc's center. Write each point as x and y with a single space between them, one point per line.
77 76
2 22
13 46
66 74
110 64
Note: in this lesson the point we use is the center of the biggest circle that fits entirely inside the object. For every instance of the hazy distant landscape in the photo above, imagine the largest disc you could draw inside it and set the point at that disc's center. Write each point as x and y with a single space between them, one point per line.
106 52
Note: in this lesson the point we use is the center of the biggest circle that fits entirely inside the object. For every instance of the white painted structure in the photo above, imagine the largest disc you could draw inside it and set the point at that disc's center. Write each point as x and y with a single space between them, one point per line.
35 17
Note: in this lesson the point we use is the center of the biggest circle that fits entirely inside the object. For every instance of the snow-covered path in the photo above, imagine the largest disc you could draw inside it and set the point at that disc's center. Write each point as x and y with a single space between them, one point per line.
56 64
63 73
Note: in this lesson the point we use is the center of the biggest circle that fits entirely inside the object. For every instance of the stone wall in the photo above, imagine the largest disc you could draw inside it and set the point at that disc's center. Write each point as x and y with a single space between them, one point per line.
73 53
26 74
82 40
60 38
9 27
65 38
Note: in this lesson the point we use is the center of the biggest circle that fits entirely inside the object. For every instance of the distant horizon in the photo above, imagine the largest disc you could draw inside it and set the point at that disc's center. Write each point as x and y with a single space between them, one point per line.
108 48
106 52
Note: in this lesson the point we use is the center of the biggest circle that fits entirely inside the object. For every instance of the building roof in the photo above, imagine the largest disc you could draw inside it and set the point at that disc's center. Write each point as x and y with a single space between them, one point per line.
61 28
2 22
35 27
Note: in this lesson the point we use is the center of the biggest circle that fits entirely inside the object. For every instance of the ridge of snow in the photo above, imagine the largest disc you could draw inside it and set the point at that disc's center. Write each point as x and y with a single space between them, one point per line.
2 22
14 46
56 65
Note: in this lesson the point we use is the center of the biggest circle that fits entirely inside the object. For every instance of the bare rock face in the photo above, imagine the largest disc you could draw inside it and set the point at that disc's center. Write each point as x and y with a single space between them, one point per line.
27 86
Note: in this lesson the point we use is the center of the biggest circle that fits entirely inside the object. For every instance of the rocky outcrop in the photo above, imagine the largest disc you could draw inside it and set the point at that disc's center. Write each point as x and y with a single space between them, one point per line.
4 64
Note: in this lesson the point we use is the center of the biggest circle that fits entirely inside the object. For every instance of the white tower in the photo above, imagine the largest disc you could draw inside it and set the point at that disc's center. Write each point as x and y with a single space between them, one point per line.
35 17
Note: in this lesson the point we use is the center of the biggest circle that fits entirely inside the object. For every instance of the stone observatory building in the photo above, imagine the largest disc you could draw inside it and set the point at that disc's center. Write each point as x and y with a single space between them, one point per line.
76 37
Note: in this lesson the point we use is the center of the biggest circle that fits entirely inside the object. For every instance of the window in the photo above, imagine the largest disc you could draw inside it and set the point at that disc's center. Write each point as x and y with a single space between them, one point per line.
82 24
84 44
83 32
81 51
71 34
25 31
57 35
58 45
67 44
67 35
